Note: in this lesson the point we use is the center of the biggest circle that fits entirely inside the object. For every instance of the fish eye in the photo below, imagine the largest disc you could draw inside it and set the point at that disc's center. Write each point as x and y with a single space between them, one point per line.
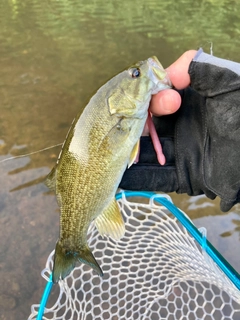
136 72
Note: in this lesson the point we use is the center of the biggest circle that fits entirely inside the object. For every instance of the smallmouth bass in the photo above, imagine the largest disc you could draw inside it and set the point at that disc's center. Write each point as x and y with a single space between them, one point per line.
101 143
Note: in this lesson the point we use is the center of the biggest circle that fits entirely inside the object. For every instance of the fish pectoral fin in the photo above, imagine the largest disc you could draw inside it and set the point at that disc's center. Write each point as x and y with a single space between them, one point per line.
120 104
134 154
50 181
110 221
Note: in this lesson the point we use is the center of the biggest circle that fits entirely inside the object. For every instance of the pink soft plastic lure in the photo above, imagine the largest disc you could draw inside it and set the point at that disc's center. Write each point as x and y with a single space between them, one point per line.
155 139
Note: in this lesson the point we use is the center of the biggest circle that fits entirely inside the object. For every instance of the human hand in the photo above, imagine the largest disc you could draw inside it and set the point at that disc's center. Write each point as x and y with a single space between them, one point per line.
168 101
201 138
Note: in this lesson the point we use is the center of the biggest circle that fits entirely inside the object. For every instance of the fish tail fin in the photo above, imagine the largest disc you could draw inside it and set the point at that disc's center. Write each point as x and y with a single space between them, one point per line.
65 261
86 256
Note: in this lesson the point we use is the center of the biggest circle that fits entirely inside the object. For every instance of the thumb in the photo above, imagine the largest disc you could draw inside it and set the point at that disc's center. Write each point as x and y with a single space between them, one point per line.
165 102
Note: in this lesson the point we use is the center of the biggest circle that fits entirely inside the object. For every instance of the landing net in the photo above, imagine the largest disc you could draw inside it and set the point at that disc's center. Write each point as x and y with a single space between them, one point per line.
160 269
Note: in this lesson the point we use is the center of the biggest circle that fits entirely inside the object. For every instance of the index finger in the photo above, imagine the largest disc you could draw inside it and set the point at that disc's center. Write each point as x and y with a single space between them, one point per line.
178 71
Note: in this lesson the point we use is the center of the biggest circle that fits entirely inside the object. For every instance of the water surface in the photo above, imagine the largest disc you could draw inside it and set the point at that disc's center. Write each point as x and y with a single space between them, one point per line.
53 56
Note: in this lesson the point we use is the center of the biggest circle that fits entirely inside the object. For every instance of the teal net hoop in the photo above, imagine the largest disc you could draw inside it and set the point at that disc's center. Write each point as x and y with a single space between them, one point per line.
181 265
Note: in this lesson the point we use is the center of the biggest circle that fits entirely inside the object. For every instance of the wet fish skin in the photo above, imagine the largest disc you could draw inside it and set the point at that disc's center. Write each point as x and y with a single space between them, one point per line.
101 143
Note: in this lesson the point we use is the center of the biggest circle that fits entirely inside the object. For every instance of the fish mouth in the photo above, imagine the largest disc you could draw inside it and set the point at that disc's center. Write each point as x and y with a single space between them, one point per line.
158 75
154 62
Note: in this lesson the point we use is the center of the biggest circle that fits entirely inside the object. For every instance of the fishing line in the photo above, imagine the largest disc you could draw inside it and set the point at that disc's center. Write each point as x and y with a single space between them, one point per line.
211 46
29 154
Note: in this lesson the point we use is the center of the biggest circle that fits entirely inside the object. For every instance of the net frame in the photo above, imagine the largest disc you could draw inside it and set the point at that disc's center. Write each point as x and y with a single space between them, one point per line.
215 271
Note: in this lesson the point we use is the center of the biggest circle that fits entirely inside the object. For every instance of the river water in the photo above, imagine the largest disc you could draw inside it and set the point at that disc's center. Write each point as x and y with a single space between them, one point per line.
54 54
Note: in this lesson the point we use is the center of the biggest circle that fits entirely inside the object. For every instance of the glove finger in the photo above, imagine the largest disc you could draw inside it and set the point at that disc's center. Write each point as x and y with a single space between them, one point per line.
148 174
150 178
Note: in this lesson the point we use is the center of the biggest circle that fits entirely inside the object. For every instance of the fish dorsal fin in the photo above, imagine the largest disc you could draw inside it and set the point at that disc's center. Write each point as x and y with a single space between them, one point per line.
110 221
134 154
50 181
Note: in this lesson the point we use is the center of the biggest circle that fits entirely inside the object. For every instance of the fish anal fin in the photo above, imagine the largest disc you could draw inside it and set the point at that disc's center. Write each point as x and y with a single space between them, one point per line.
134 154
50 180
110 221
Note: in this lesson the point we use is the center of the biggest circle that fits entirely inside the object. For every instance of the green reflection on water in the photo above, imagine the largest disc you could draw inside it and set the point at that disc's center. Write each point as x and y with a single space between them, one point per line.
53 56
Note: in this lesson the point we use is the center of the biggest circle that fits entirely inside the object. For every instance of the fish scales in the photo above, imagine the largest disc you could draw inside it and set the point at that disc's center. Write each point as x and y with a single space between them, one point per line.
101 143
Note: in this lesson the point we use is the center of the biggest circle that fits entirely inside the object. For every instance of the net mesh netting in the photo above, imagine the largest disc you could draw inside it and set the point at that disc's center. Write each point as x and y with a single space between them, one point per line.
156 271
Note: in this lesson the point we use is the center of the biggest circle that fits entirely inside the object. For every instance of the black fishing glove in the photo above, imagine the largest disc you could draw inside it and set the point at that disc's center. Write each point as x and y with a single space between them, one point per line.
201 141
